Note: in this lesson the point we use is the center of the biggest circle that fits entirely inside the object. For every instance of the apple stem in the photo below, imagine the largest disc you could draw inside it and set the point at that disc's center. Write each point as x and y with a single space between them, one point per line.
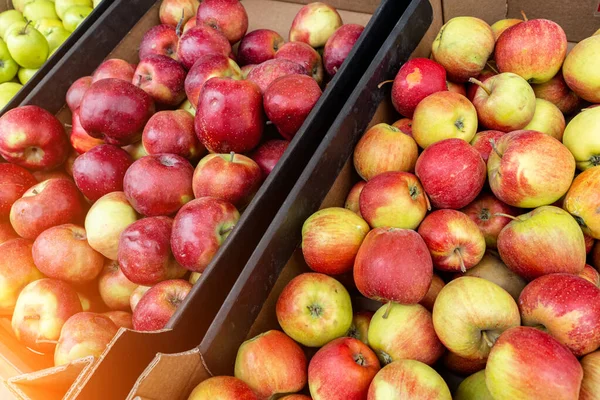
227 230
269 123
463 269
524 16
232 154
24 30
487 339
481 85
180 23
384 82
68 125
493 144
490 66
386 314
506 215
46 341
427 201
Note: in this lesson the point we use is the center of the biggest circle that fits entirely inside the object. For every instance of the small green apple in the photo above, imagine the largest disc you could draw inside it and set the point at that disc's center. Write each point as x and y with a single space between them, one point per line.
39 9
26 74
47 23
19 5
8 66
97 2
7 18
473 388
54 34
27 45
8 90
63 5
75 16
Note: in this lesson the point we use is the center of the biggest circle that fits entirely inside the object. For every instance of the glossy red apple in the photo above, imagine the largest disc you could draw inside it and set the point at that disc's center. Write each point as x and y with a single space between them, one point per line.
160 39
259 46
301 53
484 212
80 139
76 92
268 154
172 132
405 125
353 199
14 181
162 78
114 287
267 72
227 16
482 142
206 67
158 304
114 68
174 12
199 41
339 45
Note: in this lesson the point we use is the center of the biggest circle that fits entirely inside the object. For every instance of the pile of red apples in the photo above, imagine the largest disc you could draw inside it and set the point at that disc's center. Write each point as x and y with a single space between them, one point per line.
111 225
472 231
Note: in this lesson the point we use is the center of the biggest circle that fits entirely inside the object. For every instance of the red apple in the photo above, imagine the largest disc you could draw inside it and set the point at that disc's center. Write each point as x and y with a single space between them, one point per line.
33 138
80 139
206 67
459 88
221 98
288 100
591 373
339 45
301 53
314 24
589 242
114 68
103 114
76 92
160 39
343 368
405 126
189 25
172 132
158 304
199 41
434 289
114 287
259 46
264 74
482 142
174 12
199 229
7 232
222 388
101 171
454 240
484 212
145 255
268 154
47 204
590 274
147 178
122 319
408 379
393 265
352 200
227 16
162 78
60 173
14 181
558 93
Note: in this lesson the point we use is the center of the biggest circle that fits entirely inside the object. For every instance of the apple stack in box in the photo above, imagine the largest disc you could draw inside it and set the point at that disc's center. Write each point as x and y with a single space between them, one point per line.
469 229
102 229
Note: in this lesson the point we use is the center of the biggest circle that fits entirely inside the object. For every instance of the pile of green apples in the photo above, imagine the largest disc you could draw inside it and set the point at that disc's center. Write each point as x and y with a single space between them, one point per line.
30 33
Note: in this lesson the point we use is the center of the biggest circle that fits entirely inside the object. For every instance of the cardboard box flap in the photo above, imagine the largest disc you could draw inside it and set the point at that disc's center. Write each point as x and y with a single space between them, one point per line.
51 383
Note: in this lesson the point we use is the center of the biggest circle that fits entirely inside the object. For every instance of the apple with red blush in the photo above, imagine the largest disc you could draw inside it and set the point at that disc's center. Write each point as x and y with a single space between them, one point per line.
122 319
590 274
7 232
339 45
114 68
267 72
161 40
15 181
206 67
114 287
268 154
175 12
482 142
304 55
223 388
227 16
159 303
199 41
259 46
489 214
352 202
314 24
435 287
79 138
172 132
162 78
76 92
405 125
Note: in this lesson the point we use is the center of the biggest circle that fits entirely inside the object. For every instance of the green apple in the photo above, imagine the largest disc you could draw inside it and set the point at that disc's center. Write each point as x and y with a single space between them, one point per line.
39 9
7 18
47 23
27 46
25 74
473 388
75 16
8 66
19 5
55 34
97 2
63 5
8 90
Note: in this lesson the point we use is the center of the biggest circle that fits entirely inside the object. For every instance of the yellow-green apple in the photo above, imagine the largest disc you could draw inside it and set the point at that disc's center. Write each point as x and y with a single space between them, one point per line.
102 114
115 68
79 138
158 304
49 203
162 40
314 24
485 211
590 274
264 74
339 45
443 115
199 41
461 365
144 255
42 308
452 173
384 148
463 46
84 334
137 295
222 388
106 219
33 138
360 326
206 67
17 270
591 376
343 368
482 142
76 92
534 50
189 107
416 79
558 93
20 4
432 293
301 53
408 379
172 131
565 306
199 229
271 363
74 16
218 132
393 265
259 46
313 309
473 387
7 91
581 137
62 252
486 73
9 17
227 16
63 5
6 231
162 78
518 181
194 276
453 239
578 70
234 178
27 46
547 119
394 199
122 319
101 170
521 356
8 66
15 182
114 287
145 177
399 331
500 26
559 243
54 32
25 74
405 125
492 268
267 155
470 313
288 100
174 12
352 200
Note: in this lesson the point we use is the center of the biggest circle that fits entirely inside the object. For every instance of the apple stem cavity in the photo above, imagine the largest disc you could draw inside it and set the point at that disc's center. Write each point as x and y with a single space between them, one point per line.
507 216
180 23
493 144
359 359
524 16
315 310
384 82
481 85
386 314
463 269
489 339
227 230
